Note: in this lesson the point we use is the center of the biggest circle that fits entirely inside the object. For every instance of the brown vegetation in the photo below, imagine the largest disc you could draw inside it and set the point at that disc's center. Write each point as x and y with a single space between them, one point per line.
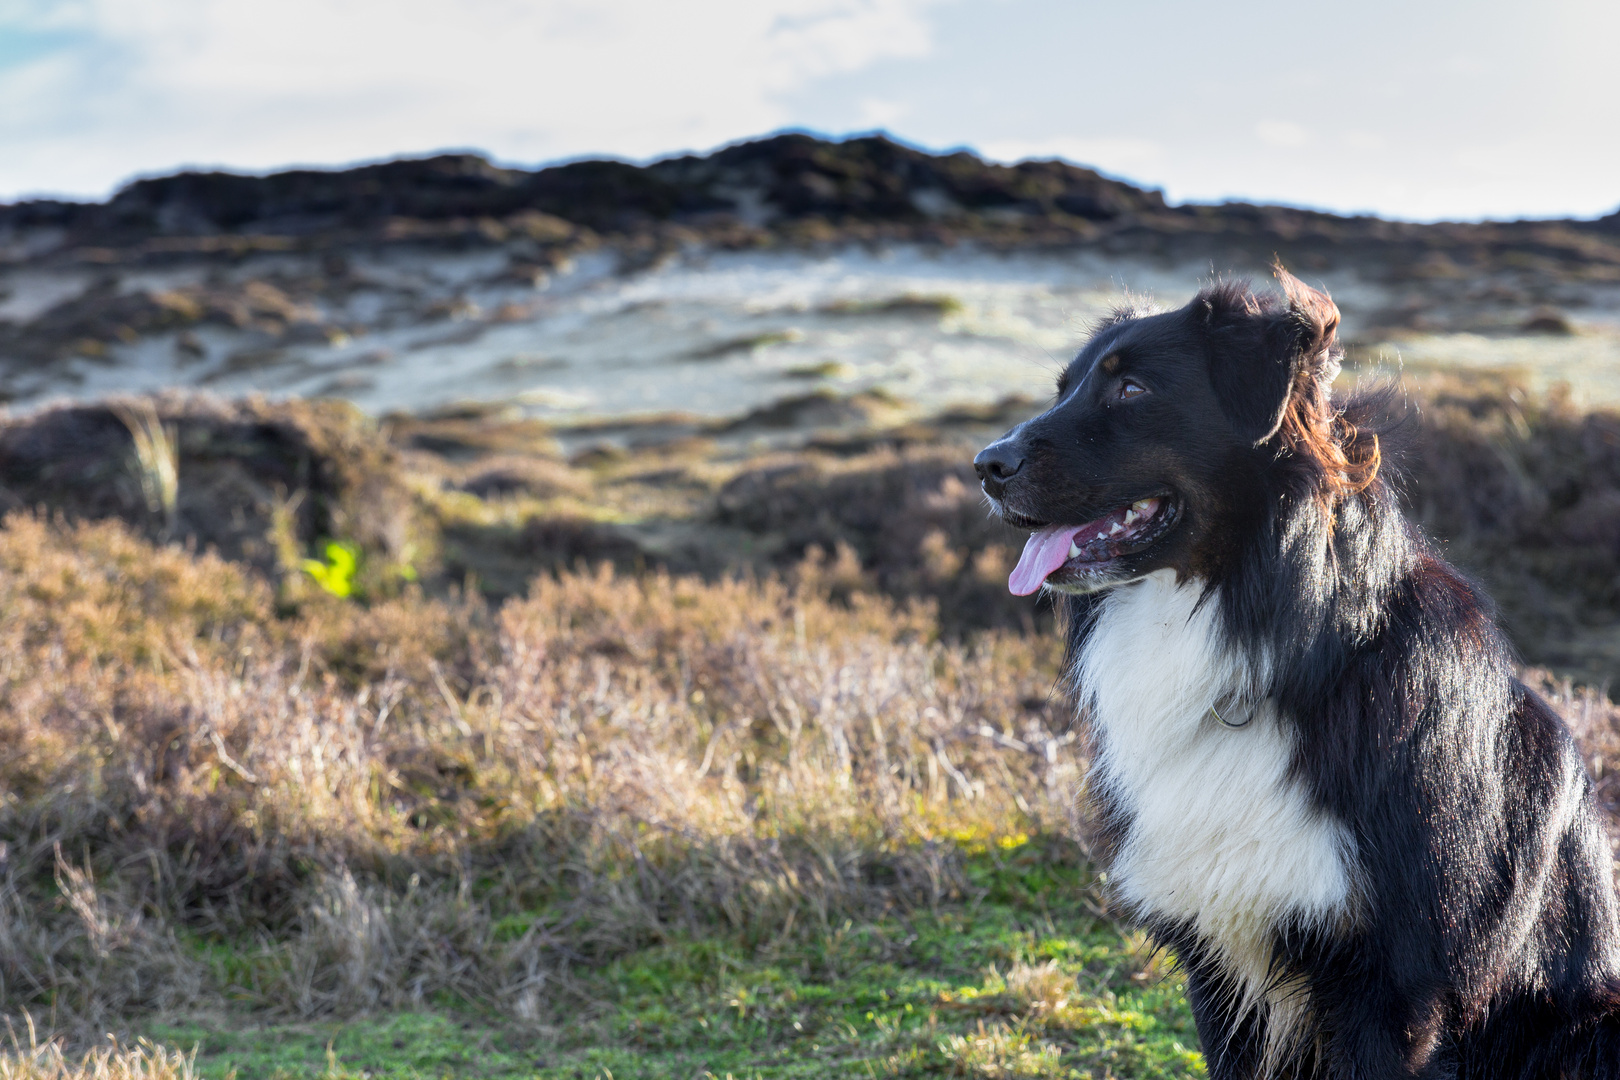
221 786
355 792
109 1061
1524 491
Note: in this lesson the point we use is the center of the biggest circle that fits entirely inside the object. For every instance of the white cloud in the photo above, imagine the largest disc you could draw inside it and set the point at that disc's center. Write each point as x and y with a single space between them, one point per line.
152 84
1282 133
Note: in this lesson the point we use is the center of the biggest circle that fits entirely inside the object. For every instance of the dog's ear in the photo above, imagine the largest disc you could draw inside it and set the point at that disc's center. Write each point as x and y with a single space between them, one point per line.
1259 352
1316 326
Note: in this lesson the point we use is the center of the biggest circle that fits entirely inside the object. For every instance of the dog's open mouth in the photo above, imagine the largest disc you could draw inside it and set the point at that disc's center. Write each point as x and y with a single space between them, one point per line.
1054 550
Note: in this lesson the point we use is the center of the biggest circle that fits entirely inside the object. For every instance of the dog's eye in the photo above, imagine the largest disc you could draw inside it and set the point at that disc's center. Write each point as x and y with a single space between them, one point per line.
1130 388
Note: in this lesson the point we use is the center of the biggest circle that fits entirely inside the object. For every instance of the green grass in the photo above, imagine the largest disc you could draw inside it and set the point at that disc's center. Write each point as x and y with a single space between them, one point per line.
1031 979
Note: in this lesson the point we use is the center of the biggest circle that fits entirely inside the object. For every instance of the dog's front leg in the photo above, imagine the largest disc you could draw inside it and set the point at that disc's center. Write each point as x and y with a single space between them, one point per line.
1232 1038
1232 1043
1376 1029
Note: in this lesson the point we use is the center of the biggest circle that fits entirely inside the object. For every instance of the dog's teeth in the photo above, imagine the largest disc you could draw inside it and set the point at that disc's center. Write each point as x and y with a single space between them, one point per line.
1115 529
1074 550
1141 506
1130 517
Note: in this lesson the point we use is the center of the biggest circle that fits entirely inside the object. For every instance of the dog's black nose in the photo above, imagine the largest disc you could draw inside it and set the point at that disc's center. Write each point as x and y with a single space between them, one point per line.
996 464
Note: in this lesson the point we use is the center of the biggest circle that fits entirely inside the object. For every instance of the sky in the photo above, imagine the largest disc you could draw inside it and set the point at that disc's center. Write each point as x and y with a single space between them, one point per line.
1418 109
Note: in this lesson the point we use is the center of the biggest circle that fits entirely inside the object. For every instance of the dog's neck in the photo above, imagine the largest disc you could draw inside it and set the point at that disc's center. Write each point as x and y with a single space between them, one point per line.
1314 581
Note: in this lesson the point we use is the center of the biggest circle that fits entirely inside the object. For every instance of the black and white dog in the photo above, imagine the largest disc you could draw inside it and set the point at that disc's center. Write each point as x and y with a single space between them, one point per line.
1316 779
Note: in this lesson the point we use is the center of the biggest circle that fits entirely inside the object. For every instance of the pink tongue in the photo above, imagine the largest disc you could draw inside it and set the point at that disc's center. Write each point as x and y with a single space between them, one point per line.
1044 552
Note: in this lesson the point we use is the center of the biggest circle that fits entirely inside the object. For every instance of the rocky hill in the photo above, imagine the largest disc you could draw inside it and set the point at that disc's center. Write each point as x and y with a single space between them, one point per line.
790 188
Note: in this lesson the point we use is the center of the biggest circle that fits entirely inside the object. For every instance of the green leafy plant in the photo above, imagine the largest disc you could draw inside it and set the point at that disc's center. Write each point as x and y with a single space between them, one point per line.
336 574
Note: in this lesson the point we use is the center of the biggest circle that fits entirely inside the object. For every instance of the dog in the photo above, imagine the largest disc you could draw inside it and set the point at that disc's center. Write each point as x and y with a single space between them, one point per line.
1314 776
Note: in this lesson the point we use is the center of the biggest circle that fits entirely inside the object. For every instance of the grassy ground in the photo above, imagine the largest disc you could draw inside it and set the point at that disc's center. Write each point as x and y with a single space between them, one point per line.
1028 980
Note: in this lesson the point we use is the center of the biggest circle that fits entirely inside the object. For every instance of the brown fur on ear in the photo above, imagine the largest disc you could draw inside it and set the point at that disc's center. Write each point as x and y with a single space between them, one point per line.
1318 322
1348 455
1312 426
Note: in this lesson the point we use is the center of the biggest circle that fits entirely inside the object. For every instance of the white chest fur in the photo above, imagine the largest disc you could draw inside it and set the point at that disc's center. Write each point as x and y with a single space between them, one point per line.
1219 835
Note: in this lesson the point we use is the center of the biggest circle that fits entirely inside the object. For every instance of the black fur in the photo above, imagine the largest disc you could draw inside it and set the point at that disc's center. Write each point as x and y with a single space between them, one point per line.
1490 946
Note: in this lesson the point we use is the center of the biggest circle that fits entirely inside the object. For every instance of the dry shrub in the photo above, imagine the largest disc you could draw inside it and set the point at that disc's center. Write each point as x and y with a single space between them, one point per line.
1595 721
1002 1052
502 558
1524 490
1040 988
914 519
807 752
48 1061
358 807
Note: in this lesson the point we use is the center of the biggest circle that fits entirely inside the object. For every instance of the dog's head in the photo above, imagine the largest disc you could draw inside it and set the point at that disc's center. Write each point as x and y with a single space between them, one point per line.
1154 454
